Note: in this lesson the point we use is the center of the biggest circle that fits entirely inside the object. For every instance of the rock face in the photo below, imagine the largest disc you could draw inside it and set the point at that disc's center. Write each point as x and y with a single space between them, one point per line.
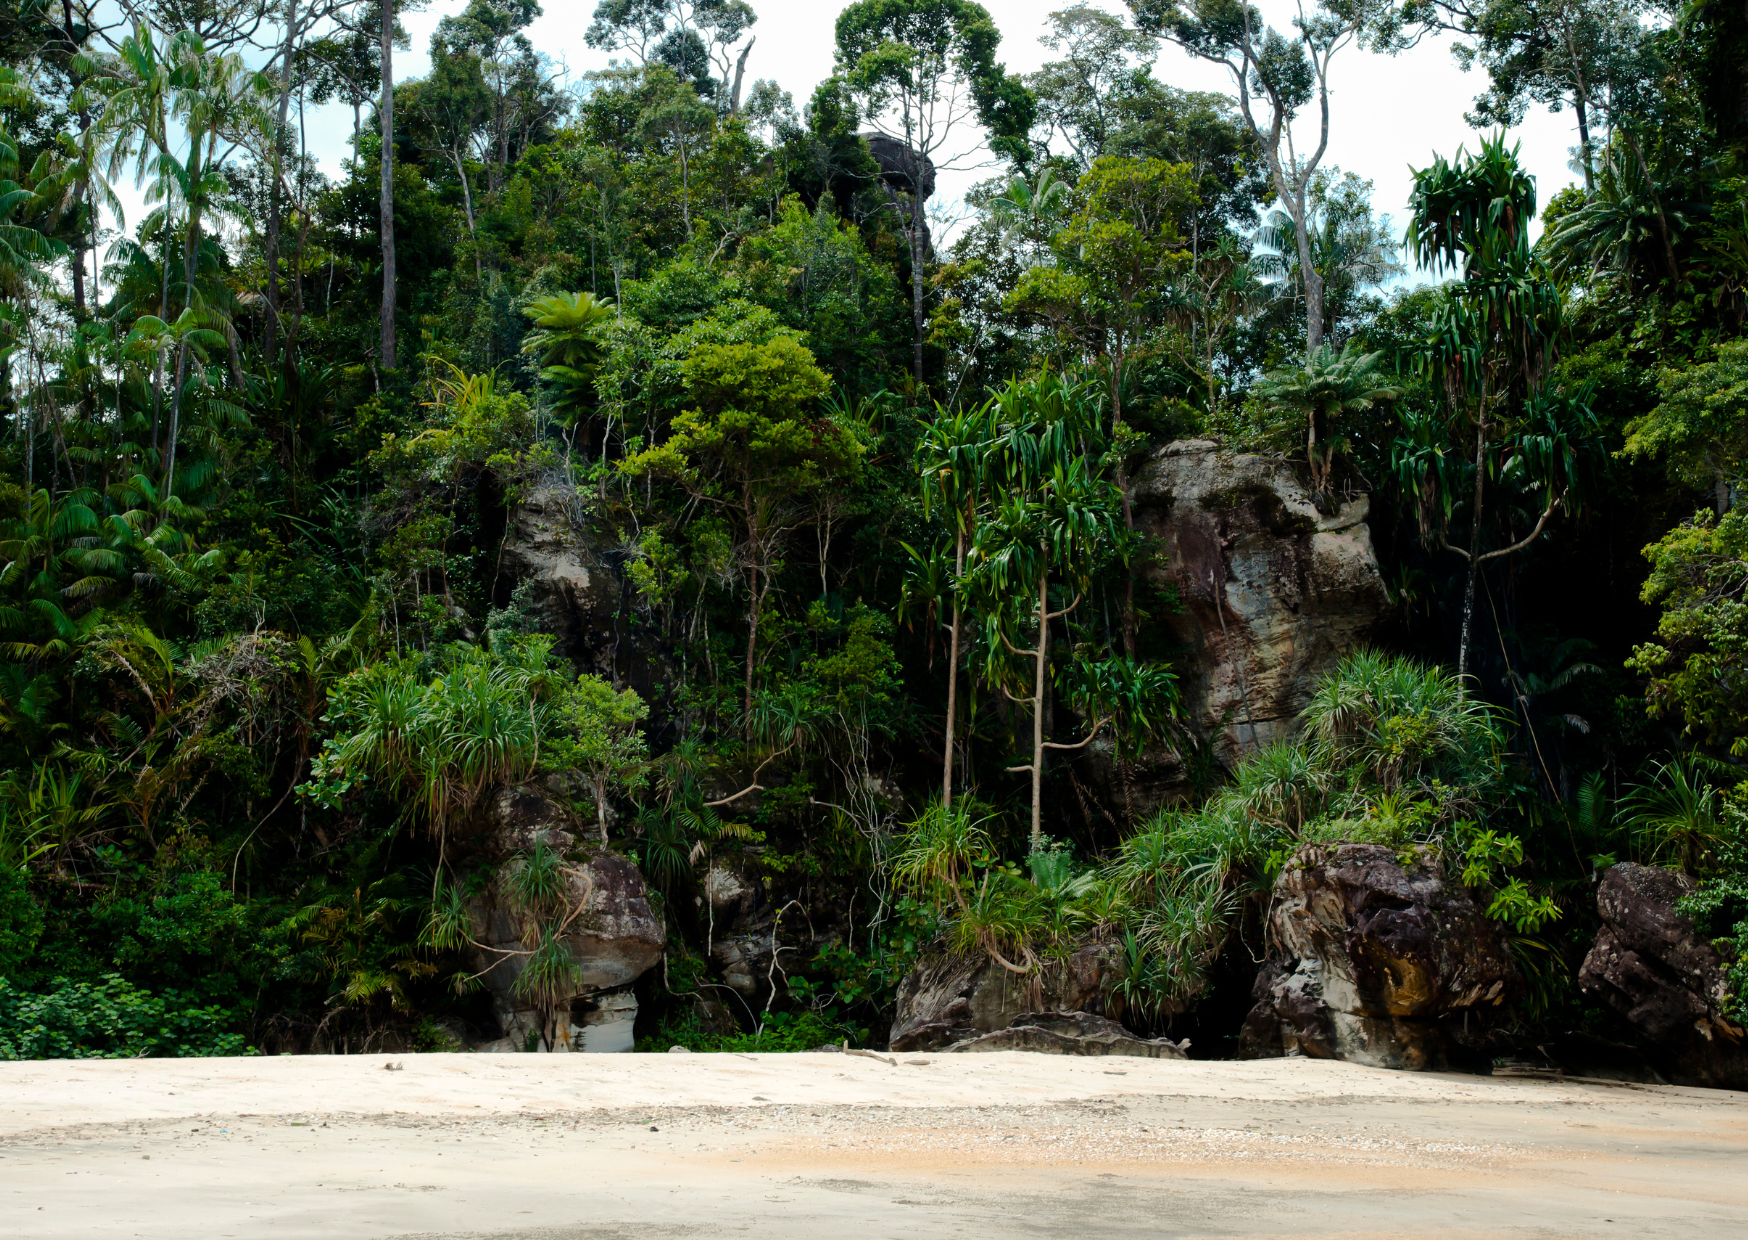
613 937
1273 592
1649 965
948 999
1072 1033
1375 963
899 165
573 593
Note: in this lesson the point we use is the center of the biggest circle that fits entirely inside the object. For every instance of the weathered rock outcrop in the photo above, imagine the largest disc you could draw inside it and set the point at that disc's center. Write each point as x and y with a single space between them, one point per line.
573 592
610 931
1651 966
1375 962
1273 593
947 999
900 166
1071 1033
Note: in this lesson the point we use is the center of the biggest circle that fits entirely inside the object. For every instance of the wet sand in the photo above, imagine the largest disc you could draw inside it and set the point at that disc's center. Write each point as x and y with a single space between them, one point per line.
587 1147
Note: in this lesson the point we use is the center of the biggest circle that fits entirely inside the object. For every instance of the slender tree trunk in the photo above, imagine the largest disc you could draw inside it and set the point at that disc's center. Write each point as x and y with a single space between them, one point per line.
157 402
1042 657
1474 548
386 199
270 335
740 73
175 424
685 187
190 264
78 257
752 646
1581 105
1584 145
953 678
916 270
467 207
1313 298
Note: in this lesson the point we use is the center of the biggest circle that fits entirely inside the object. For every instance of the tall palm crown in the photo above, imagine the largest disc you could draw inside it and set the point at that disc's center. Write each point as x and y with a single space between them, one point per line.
566 337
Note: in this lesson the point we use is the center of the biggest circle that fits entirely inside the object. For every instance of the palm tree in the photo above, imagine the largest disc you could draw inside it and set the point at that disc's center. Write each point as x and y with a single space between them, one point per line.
1328 388
1028 211
1493 331
1620 227
567 337
152 335
55 567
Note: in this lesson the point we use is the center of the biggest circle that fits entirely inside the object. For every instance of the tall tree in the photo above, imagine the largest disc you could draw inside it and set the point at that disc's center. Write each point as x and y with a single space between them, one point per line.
1081 98
694 38
1580 54
750 450
491 32
1275 76
1050 524
925 71
1492 336
1117 256
386 198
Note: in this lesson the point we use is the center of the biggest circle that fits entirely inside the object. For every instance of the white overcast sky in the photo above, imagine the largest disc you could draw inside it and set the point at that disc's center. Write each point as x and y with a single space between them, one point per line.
1387 113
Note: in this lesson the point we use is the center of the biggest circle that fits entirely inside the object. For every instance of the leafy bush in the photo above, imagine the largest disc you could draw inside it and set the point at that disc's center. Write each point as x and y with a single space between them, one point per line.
20 923
1719 907
1394 754
112 1019
781 1031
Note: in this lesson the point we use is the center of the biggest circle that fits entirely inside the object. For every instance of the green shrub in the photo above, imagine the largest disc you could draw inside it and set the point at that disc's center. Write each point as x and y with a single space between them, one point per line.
21 923
782 1031
111 1019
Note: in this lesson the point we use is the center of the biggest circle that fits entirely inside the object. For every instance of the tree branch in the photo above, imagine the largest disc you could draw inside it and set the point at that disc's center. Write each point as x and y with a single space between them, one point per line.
1090 738
755 786
1534 534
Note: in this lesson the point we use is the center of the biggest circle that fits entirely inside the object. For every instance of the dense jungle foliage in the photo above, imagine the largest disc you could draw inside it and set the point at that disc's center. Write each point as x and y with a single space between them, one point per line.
861 478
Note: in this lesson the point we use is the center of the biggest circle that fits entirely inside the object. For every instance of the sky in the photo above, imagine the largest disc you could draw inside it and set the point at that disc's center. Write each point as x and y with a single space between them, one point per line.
1387 113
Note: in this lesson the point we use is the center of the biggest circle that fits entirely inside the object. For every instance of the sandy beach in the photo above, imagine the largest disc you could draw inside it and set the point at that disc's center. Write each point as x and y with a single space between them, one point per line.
596 1146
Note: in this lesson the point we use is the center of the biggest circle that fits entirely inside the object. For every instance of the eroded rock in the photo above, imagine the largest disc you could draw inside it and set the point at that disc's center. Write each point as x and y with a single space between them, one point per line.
900 165
1376 962
573 592
1273 592
1651 966
948 998
610 931
1071 1033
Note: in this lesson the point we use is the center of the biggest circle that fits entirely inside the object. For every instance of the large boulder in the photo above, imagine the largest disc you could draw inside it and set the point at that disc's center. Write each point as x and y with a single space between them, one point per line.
948 998
1651 966
1072 1033
609 929
1273 594
1376 962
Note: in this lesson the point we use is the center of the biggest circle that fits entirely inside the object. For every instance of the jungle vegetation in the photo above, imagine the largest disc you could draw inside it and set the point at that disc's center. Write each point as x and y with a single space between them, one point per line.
863 484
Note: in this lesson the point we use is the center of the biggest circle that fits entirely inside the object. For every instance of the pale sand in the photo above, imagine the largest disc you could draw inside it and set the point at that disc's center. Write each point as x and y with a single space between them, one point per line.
845 1147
